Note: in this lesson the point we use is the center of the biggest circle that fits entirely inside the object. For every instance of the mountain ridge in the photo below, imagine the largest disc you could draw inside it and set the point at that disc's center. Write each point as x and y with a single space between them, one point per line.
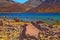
30 6
48 7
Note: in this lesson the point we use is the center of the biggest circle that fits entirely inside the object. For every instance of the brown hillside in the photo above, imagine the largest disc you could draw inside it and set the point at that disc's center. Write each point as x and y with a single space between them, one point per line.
48 7
7 6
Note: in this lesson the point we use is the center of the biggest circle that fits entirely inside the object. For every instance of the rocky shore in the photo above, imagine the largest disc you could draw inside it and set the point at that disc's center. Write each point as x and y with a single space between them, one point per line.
12 29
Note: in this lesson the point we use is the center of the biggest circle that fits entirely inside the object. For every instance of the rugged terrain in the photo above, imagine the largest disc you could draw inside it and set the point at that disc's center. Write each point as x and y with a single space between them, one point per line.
21 30
30 6
11 6
48 6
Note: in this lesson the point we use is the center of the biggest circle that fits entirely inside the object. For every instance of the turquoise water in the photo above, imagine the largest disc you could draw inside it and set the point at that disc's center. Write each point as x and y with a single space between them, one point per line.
30 16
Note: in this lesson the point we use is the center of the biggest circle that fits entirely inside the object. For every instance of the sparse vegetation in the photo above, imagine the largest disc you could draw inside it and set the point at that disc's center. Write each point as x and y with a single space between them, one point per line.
17 30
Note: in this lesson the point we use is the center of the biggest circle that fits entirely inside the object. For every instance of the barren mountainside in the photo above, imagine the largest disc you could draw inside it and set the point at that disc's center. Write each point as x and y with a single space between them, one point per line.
48 6
11 6
30 6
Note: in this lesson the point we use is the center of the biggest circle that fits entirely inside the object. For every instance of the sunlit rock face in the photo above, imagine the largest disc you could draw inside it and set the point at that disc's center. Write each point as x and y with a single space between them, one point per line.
32 30
34 3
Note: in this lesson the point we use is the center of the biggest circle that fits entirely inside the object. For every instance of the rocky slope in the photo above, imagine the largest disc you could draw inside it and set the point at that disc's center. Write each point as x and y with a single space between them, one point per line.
48 6
10 6
30 6
33 3
19 30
